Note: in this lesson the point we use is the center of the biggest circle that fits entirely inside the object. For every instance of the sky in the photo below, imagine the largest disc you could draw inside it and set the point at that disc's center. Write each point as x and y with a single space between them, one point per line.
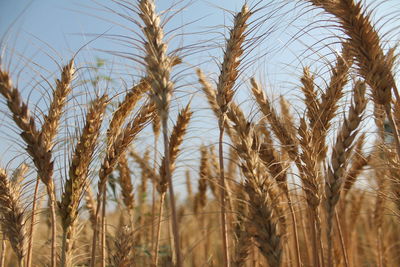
41 35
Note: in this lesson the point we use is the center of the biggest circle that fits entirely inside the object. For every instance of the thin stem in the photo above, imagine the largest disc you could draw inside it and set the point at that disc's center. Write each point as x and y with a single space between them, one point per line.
295 233
342 243
64 250
32 225
157 246
175 227
224 226
380 247
103 230
53 225
3 252
95 233
316 261
153 198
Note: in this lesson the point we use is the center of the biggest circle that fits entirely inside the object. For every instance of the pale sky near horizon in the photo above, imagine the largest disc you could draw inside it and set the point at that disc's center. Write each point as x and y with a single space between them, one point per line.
47 30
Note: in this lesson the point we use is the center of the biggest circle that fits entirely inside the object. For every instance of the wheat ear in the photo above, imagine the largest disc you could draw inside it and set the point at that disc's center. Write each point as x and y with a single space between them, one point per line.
159 66
125 108
328 104
288 141
13 216
340 155
243 238
359 161
126 183
77 180
226 81
373 65
175 141
36 146
201 197
124 242
114 152
261 191
307 164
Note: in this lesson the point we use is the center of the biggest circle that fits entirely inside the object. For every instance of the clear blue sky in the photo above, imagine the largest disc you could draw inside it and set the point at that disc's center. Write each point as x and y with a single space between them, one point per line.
47 29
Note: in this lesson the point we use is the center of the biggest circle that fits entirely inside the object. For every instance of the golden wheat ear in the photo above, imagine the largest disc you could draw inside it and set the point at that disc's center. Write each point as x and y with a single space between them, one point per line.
78 174
340 155
13 216
36 146
114 151
125 182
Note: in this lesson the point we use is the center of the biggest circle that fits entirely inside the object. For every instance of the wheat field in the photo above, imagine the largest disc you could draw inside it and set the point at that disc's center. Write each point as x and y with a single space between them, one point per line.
312 182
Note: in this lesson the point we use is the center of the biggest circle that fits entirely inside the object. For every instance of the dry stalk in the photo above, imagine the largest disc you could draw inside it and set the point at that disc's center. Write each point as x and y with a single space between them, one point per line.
3 252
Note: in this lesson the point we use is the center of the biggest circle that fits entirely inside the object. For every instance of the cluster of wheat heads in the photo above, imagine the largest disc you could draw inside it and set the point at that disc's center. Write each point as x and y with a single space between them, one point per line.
279 189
